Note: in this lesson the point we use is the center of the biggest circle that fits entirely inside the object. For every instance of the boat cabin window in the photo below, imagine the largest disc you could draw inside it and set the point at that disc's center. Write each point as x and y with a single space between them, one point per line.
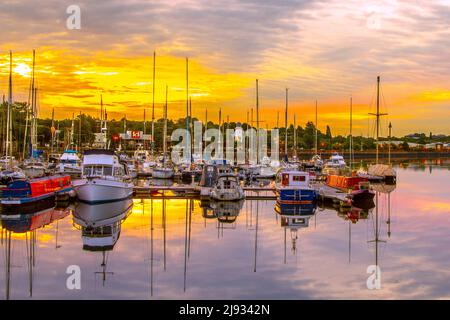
299 178
285 179
97 171
227 184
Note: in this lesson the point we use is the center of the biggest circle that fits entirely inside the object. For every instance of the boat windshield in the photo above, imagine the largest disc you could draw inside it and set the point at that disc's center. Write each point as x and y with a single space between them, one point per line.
97 171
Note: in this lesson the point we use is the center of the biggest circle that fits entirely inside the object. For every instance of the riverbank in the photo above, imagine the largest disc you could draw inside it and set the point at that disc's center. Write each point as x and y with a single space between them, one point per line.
395 155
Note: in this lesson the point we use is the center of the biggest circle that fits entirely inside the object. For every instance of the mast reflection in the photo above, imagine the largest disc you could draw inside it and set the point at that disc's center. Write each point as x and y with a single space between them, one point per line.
27 224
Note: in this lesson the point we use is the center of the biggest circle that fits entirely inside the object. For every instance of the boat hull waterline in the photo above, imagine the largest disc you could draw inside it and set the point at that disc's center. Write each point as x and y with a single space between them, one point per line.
102 191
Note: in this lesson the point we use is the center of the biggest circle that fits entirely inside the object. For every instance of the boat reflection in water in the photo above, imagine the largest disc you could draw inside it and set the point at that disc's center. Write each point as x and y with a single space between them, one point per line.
27 224
226 211
100 226
294 217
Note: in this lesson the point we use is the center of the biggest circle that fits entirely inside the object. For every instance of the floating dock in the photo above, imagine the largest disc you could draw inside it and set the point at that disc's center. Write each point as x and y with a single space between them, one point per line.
251 193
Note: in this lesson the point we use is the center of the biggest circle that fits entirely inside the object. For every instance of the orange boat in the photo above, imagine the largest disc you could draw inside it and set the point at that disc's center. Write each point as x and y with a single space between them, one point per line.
358 188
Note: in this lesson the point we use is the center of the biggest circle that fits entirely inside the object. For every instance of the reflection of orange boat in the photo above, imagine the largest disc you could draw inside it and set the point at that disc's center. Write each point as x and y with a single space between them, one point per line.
30 222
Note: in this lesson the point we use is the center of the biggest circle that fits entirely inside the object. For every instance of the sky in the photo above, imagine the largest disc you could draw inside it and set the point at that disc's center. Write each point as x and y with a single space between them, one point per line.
327 51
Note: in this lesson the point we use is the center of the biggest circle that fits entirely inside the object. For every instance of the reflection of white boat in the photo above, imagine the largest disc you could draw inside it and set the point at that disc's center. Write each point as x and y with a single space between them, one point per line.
101 224
104 178
227 188
226 211
98 215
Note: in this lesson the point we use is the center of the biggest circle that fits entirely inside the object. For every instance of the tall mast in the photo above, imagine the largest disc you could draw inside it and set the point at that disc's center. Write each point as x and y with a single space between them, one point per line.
351 136
52 142
101 110
79 133
143 131
220 129
34 121
33 107
165 130
295 136
187 108
257 121
191 127
72 129
8 114
153 103
315 133
378 115
286 125
389 146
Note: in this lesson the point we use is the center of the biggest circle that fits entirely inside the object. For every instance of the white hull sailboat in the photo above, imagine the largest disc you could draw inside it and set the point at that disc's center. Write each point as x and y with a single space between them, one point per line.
164 172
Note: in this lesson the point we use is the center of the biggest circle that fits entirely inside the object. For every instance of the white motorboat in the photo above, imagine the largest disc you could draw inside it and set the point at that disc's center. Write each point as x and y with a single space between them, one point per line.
104 178
162 173
69 163
34 169
7 176
227 188
7 162
334 164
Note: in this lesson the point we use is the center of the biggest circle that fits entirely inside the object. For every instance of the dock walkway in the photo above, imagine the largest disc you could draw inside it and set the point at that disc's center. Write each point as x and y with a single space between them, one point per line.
251 193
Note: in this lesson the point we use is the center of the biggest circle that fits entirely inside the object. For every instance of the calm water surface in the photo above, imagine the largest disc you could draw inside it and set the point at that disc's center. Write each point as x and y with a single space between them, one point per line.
176 248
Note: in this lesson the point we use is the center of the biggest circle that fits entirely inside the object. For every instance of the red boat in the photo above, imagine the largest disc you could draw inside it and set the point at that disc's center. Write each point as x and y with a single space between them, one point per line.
358 188
27 196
